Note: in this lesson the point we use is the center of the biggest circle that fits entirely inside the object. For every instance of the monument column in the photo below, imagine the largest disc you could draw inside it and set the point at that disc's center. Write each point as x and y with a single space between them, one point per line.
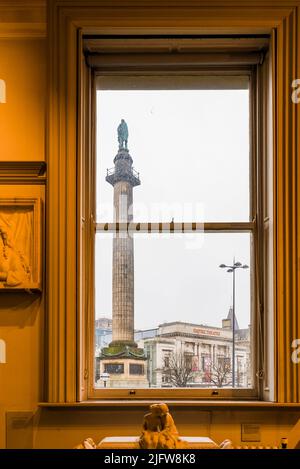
123 360
123 178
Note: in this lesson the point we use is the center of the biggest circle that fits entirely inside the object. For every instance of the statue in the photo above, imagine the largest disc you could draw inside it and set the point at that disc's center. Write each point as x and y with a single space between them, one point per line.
122 135
88 443
14 269
159 430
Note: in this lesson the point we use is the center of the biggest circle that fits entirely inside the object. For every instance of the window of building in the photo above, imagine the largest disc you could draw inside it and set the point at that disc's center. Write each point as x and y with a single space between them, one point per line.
188 360
205 363
176 225
114 368
167 361
135 369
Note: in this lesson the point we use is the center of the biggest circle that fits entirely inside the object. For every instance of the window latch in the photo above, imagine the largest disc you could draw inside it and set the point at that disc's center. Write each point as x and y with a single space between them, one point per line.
260 374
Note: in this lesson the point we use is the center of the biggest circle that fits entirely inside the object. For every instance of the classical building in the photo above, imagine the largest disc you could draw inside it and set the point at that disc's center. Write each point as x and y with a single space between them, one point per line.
123 360
206 352
103 337
103 332
201 353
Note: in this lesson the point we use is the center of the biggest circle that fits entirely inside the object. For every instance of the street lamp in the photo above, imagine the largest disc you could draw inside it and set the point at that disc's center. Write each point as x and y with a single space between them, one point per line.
232 269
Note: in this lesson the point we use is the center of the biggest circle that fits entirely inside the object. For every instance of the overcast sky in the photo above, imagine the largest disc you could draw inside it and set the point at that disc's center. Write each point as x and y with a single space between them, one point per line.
191 148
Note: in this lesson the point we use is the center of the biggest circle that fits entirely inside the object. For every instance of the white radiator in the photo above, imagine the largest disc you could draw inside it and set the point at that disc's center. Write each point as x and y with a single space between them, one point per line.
255 447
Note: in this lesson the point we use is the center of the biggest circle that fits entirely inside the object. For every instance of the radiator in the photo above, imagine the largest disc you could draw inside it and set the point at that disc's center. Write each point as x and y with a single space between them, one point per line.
255 447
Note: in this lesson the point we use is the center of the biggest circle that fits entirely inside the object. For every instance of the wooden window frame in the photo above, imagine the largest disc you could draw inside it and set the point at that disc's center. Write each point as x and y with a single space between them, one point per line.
67 364
216 64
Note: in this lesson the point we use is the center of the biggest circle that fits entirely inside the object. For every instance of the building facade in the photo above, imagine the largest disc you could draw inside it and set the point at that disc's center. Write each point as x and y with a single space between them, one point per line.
199 355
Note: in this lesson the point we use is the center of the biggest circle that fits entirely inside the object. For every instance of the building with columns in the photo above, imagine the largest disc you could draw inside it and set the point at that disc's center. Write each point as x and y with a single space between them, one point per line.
206 350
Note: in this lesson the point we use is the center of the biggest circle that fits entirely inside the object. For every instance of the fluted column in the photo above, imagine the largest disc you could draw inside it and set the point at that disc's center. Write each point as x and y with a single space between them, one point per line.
123 270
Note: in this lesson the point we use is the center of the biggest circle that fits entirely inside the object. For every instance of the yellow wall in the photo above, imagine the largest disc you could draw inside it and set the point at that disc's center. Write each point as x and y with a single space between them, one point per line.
22 117
65 428
22 137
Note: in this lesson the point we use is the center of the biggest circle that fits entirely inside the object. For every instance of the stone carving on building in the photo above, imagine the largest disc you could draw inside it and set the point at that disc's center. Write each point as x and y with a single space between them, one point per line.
19 244
159 430
14 265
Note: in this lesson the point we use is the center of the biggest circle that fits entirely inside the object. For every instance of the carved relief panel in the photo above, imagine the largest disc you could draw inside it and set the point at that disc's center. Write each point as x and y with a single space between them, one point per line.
20 244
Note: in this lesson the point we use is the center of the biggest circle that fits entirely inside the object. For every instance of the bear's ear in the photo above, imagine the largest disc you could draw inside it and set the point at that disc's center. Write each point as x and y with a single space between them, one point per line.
2 91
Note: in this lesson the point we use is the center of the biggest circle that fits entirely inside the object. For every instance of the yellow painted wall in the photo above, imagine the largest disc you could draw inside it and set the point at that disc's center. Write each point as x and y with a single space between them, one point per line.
22 137
22 117
65 428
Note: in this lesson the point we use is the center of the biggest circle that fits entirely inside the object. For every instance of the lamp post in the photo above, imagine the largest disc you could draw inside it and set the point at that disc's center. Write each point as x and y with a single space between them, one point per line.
231 269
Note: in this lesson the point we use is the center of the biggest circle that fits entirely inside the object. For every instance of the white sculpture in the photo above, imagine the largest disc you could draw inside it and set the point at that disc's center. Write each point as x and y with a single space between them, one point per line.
159 430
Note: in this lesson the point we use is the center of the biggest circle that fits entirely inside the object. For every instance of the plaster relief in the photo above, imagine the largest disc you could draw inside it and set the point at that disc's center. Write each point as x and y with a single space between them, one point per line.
20 244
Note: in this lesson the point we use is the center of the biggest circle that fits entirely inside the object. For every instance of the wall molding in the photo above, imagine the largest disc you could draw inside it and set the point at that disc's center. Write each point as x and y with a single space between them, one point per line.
22 19
22 172
286 208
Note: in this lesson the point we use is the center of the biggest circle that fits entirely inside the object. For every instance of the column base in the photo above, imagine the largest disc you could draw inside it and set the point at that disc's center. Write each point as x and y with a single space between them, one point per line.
123 343
123 372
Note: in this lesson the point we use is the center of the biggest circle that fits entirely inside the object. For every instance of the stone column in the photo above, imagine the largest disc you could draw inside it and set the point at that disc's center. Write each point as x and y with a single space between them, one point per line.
123 360
123 271
123 178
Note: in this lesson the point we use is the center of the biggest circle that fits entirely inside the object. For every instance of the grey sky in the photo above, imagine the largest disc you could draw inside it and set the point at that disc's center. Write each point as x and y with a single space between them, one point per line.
191 148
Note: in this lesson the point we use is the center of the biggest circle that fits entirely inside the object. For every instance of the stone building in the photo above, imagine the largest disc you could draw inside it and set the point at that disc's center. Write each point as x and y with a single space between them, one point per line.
103 332
206 350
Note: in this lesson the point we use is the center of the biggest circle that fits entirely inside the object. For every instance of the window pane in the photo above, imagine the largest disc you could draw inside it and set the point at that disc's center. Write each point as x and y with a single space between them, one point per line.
169 290
190 147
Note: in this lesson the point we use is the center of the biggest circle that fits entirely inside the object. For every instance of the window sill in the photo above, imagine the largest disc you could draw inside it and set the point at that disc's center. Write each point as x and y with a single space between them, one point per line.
204 404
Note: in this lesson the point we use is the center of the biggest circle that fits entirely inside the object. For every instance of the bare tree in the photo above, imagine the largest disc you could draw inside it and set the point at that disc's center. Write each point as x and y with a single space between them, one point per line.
220 374
178 369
